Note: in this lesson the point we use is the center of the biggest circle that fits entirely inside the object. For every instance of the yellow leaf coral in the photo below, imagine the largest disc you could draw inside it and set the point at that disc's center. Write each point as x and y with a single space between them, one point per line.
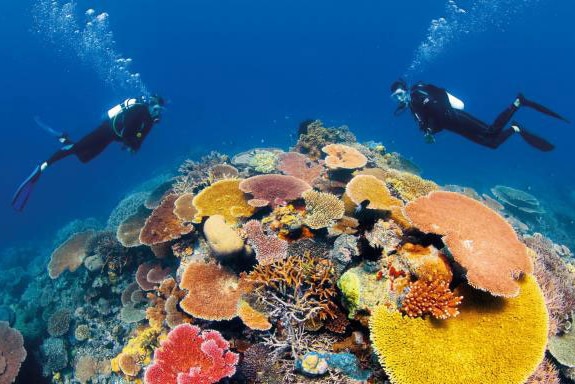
494 340
224 198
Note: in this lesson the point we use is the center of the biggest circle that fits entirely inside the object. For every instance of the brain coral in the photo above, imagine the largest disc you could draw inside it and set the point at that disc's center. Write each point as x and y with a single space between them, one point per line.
480 240
224 198
69 255
494 340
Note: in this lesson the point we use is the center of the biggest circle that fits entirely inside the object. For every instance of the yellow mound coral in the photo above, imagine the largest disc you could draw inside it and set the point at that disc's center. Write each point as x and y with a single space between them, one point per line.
139 349
322 209
494 340
366 187
224 198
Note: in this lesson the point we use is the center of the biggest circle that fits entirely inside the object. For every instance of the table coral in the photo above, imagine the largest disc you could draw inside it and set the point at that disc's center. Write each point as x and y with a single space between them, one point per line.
300 166
69 255
494 340
224 198
341 156
163 225
273 190
128 231
367 187
479 239
190 355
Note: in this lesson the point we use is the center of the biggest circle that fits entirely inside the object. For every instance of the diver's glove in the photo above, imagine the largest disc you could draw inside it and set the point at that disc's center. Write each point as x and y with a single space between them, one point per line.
429 138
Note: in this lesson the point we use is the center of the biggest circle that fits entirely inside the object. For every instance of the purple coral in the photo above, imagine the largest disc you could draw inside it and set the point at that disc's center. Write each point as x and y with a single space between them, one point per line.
273 189
12 353
268 248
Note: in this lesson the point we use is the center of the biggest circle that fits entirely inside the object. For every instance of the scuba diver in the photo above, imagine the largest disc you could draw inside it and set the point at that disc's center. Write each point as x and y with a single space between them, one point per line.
435 110
128 123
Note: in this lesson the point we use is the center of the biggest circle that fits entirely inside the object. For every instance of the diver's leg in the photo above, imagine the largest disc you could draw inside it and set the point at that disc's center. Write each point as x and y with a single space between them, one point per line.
504 117
93 143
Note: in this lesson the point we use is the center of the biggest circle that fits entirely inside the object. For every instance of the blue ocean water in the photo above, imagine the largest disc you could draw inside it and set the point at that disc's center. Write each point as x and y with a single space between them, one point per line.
239 75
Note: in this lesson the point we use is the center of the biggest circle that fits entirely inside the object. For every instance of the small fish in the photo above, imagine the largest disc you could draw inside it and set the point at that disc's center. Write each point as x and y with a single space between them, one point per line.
361 206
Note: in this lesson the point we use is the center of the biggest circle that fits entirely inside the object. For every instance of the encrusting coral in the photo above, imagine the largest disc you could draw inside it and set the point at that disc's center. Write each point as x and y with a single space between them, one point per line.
493 340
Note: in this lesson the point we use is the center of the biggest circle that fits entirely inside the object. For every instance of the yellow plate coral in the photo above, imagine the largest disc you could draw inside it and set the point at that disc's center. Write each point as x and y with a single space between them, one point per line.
494 340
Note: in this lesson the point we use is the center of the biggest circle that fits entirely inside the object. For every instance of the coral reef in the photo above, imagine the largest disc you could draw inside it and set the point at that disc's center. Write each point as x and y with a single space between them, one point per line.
268 248
341 156
300 166
70 255
163 225
430 297
322 209
273 190
224 198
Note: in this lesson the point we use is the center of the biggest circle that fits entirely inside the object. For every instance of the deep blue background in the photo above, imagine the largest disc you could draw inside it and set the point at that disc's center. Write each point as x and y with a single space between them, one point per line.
243 74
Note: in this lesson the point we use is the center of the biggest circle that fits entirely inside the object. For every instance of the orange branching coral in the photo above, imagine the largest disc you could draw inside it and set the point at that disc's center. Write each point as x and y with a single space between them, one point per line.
163 225
341 156
224 198
366 187
184 209
70 254
301 287
430 297
322 209
252 318
480 240
213 291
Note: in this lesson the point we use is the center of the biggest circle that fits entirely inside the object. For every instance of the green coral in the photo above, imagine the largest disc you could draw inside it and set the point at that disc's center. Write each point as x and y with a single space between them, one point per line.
362 290
264 161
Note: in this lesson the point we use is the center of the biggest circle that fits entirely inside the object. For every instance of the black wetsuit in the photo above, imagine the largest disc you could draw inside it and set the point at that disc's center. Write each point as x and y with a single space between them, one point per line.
431 107
130 128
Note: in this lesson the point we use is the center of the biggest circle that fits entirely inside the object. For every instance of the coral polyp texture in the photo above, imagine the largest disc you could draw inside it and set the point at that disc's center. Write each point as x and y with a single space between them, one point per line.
430 297
493 340
322 209
190 355
12 353
479 239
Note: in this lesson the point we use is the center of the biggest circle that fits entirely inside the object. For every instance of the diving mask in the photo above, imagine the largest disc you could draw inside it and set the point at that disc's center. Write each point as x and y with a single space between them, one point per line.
401 96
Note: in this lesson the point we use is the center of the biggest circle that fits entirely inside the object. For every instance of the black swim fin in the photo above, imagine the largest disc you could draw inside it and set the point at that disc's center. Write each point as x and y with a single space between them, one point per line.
538 107
534 140
25 189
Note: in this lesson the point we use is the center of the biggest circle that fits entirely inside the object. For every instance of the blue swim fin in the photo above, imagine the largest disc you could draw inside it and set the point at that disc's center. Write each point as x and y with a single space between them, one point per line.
25 190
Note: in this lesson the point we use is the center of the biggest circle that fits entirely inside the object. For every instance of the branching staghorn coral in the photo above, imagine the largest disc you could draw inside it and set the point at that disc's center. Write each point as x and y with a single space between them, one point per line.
196 175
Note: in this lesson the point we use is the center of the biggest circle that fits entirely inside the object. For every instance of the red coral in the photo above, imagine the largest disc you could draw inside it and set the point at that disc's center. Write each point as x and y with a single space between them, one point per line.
273 189
268 248
190 355
300 166
430 297
12 353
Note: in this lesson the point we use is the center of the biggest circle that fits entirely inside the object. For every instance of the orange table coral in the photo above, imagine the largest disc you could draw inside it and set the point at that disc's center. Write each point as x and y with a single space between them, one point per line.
340 156
479 239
